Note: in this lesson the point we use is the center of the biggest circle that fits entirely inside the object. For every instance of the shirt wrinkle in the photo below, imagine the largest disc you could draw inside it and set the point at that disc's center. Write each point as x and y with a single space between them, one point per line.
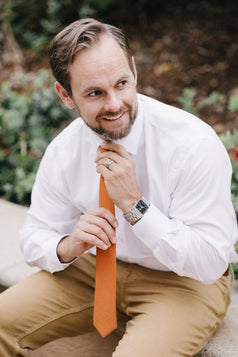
178 232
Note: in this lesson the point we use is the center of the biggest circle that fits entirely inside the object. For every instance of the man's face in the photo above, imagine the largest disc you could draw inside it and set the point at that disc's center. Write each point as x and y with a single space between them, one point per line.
104 89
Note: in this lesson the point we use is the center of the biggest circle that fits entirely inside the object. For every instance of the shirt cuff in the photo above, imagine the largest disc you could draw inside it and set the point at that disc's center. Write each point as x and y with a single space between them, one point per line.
52 257
153 221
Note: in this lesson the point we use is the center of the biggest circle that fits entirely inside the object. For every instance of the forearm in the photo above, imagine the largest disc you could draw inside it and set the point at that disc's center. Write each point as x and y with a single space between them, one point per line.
197 251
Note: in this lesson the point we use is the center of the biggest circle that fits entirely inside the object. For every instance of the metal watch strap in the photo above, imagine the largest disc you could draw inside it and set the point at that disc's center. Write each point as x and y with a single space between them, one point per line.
135 214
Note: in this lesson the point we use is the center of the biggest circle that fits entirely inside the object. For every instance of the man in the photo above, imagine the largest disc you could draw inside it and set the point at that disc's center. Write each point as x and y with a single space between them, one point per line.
172 256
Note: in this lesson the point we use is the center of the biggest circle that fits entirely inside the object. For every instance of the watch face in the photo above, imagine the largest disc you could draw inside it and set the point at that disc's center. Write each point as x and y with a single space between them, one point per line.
141 206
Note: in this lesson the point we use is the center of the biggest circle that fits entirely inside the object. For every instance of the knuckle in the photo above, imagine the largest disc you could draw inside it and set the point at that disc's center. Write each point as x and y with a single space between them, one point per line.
82 218
98 231
118 172
111 234
129 164
104 211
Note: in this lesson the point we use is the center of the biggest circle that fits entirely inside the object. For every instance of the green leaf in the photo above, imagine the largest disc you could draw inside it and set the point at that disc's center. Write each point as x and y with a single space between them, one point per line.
233 103
213 98
187 100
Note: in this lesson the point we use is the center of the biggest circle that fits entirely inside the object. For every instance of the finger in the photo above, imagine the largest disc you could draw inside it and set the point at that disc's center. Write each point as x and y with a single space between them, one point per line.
103 213
108 163
101 229
109 155
119 149
102 170
105 220
93 240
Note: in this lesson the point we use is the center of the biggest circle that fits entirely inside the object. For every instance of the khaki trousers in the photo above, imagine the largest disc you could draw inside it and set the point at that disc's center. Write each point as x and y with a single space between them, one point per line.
167 315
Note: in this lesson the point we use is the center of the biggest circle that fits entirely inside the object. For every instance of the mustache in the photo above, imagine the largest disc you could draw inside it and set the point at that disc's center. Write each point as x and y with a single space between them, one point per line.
109 114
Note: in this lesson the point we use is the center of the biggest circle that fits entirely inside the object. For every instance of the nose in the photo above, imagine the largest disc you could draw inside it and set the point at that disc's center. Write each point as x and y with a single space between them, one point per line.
112 102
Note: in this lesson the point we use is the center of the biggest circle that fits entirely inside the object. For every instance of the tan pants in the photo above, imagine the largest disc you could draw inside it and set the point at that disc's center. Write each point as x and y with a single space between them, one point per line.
168 315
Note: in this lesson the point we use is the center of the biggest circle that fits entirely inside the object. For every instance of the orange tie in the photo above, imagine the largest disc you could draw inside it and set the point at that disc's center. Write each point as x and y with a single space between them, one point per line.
105 316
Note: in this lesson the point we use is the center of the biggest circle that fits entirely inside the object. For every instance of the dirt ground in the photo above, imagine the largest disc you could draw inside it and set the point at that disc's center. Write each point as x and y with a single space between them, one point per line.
173 54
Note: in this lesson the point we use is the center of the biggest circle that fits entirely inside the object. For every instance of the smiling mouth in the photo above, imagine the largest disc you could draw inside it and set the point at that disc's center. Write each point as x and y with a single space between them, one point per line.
114 118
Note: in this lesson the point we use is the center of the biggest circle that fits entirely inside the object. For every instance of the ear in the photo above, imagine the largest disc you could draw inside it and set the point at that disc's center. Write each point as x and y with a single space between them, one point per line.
63 94
134 69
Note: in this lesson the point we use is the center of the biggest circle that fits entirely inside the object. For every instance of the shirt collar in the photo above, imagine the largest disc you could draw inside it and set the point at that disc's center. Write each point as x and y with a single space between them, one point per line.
130 142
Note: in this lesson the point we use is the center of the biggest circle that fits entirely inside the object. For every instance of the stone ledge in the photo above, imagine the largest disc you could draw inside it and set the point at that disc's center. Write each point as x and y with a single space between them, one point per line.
12 265
225 341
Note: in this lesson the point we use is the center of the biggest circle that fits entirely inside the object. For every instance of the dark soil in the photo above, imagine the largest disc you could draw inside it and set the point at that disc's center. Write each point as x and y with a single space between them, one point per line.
202 55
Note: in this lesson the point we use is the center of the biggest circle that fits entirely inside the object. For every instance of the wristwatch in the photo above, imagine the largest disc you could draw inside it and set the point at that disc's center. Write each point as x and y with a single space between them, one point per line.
137 211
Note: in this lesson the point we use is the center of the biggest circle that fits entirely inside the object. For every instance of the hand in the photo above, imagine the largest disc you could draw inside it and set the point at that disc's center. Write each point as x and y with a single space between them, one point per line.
120 178
94 228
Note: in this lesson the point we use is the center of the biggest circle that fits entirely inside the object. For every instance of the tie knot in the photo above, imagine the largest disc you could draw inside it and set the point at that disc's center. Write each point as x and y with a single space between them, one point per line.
102 149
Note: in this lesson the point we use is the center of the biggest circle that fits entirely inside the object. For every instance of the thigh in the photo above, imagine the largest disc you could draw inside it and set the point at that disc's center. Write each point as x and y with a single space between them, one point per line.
171 316
47 306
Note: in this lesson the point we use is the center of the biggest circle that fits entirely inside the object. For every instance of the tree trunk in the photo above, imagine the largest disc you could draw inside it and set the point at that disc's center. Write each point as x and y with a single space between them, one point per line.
11 54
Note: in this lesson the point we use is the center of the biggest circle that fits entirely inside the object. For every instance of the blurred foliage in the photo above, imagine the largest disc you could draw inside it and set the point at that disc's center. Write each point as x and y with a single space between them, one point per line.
35 22
29 120
235 267
233 103
187 101
230 140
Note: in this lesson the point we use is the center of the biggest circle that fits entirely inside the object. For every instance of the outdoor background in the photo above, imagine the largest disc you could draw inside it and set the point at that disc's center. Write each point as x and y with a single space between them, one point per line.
186 54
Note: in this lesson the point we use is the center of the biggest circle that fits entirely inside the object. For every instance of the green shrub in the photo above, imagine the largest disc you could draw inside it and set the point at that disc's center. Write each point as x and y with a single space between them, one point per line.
29 119
235 267
188 103
35 22
230 140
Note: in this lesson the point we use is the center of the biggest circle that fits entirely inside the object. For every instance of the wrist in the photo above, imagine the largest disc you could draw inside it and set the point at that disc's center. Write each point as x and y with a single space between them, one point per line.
63 254
129 204
137 211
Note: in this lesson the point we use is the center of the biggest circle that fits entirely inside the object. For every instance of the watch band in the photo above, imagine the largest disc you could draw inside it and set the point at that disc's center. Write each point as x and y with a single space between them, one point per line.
137 211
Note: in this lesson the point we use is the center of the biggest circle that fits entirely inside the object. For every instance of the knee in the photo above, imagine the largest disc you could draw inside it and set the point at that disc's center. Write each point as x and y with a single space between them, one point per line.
10 311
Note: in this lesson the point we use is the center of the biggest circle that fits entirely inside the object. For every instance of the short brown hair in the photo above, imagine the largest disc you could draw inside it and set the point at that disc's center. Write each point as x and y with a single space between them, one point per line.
78 35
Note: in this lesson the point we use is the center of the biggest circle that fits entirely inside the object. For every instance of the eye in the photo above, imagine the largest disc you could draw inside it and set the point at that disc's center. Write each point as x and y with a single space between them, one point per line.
95 93
122 83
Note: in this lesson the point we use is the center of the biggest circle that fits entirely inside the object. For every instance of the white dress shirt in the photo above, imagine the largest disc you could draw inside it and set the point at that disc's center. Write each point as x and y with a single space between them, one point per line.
182 168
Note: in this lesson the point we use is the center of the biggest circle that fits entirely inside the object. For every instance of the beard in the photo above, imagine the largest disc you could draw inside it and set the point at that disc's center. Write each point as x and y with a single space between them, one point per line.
116 133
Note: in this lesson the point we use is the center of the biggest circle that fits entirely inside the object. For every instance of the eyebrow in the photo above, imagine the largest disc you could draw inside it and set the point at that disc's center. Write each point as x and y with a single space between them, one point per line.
90 89
95 88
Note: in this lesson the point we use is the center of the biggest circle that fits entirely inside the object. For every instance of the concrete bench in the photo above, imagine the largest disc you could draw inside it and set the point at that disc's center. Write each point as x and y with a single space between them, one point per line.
12 265
13 269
